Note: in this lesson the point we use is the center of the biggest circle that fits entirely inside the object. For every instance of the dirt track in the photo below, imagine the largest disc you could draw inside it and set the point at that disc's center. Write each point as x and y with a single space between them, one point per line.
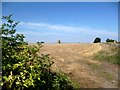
76 61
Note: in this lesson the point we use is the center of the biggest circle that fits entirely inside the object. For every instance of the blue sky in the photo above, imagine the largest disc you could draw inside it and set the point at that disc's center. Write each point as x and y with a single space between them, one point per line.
68 22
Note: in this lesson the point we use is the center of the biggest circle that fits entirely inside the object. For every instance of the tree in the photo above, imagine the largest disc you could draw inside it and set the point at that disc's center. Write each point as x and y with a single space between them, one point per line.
59 41
97 40
110 40
38 43
22 67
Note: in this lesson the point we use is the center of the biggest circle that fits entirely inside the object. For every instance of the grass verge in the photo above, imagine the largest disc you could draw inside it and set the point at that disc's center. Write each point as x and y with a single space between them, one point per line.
113 57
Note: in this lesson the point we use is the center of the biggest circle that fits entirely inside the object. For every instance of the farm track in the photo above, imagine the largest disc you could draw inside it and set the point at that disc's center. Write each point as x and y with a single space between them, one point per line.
76 61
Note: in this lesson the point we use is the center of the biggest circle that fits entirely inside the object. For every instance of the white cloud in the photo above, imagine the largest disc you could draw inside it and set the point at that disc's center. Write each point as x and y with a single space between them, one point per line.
64 29
37 33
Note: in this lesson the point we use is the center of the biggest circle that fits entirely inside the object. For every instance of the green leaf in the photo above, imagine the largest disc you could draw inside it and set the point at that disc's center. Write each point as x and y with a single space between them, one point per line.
10 21
38 78
25 85
1 83
17 82
5 78
12 31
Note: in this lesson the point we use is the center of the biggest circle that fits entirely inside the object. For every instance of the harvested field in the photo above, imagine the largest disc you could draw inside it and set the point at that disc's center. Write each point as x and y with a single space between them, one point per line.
76 61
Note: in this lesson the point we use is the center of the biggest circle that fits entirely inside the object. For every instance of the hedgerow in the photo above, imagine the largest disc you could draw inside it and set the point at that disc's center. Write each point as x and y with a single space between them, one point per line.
23 67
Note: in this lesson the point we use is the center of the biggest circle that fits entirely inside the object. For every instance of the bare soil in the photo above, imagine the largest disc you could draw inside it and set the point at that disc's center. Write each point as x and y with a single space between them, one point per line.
76 61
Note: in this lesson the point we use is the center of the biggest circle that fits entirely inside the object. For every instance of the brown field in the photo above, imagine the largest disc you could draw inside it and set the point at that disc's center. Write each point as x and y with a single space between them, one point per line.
76 61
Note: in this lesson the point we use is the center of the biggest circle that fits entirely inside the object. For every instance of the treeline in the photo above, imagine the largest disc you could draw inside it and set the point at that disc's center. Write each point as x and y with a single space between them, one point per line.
97 40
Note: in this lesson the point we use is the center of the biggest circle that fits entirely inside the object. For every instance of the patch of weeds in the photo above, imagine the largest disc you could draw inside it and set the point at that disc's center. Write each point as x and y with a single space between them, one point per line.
107 75
112 58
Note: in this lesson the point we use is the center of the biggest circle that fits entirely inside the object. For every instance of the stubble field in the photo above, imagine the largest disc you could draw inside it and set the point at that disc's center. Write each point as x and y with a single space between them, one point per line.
76 60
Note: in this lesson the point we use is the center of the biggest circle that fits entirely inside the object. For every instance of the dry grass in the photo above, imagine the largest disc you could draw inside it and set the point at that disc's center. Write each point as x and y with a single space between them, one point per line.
76 61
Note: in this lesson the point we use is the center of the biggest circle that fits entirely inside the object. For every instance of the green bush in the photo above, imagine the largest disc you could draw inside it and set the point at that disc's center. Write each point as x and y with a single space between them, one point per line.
110 40
97 40
22 67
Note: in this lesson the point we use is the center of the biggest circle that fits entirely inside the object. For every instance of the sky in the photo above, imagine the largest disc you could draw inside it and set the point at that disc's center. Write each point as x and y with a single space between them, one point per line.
65 21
